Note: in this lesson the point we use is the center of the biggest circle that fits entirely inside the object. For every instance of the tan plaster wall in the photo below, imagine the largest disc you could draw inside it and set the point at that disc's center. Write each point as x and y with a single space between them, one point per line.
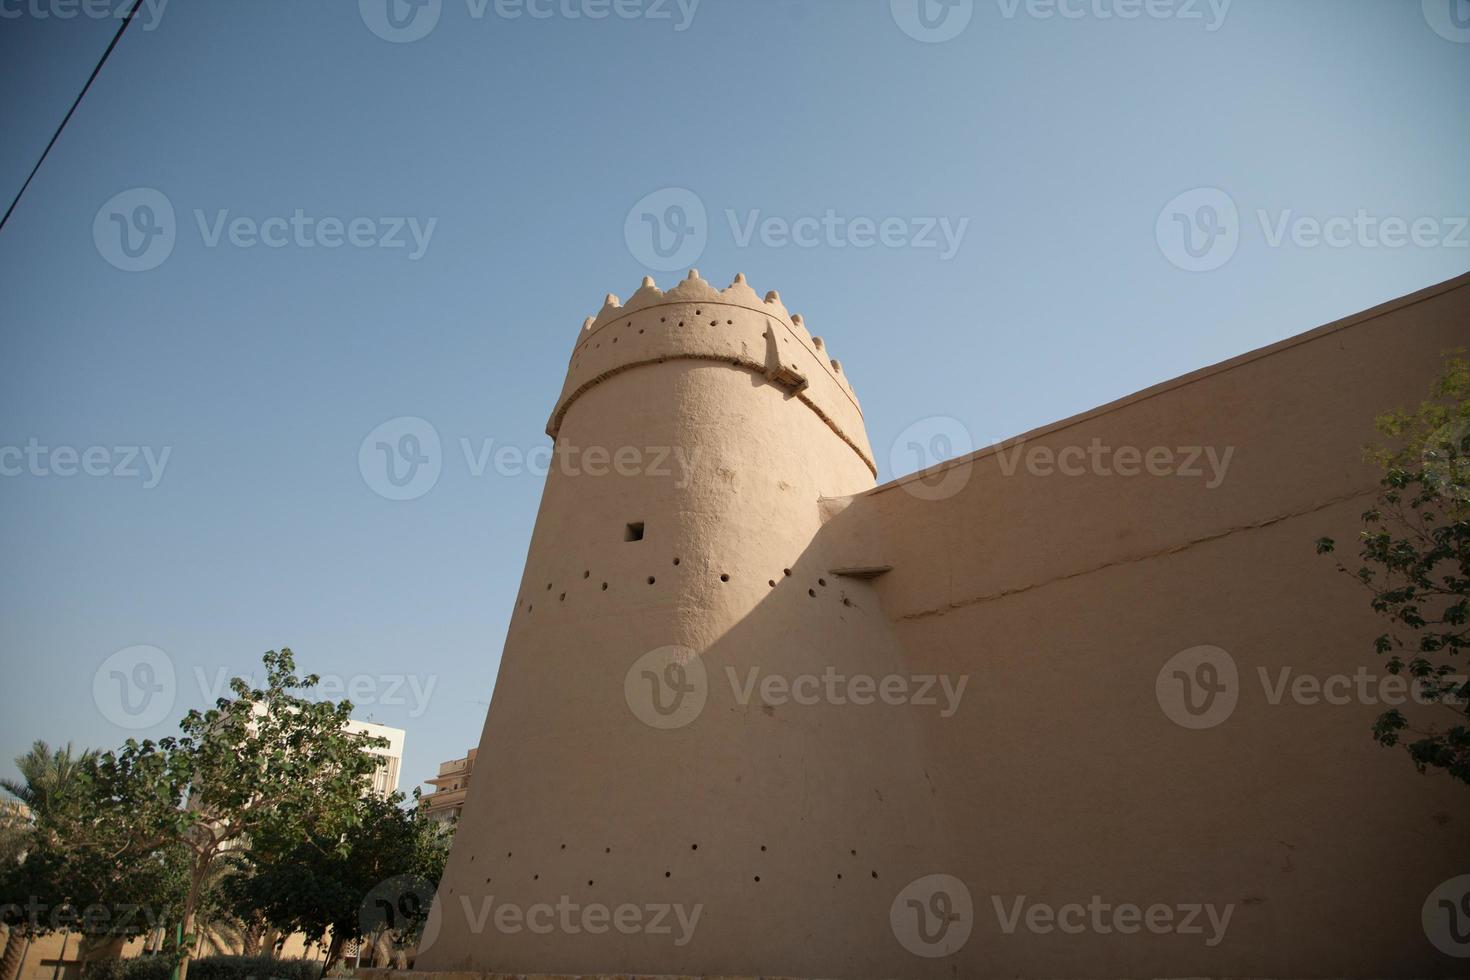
1063 596
1059 597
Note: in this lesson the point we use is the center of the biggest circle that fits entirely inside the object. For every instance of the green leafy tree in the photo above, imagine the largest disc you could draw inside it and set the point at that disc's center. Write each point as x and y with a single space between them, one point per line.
73 871
377 880
1415 562
261 772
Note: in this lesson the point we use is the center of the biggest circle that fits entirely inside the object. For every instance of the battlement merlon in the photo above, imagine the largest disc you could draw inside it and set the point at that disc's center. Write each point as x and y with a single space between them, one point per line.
695 321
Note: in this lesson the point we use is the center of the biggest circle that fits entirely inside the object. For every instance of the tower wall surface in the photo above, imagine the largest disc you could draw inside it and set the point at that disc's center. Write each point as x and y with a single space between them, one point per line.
1058 596
745 813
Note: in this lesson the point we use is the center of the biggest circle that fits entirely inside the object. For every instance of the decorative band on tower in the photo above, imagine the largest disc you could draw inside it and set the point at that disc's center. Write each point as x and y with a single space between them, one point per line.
735 325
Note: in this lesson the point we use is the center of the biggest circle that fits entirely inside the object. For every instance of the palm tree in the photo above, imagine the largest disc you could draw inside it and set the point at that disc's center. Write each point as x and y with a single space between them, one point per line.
46 778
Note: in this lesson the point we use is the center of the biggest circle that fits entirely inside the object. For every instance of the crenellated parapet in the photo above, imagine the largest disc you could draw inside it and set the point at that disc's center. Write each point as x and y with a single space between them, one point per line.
735 325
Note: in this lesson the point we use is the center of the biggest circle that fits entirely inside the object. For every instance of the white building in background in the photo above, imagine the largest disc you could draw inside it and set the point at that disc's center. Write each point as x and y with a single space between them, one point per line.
390 756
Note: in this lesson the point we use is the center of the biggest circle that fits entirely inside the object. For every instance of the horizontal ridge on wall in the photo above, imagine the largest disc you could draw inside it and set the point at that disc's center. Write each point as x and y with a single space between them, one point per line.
693 321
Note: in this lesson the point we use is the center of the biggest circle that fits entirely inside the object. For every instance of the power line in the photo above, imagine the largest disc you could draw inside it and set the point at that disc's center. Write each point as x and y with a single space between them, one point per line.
76 102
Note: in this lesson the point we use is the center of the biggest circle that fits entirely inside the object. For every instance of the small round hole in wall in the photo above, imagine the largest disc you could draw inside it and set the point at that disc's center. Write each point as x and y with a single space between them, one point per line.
839 876
587 574
681 323
694 847
787 571
771 583
757 877
563 847
640 329
548 586
763 847
607 850
714 323
650 580
846 601
507 853
875 874
563 597
728 322
812 593
699 312
676 561
853 853
589 882
822 582
604 586
724 576
535 877
668 874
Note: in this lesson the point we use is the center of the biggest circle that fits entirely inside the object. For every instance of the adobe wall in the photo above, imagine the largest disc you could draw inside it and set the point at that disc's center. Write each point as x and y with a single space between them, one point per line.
1063 597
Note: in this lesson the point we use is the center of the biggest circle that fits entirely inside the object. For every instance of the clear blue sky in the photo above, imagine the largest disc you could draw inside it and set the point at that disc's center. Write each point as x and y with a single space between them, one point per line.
1059 139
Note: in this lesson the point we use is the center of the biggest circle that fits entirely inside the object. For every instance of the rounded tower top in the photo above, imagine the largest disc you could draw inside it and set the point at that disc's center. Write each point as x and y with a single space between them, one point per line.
736 325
